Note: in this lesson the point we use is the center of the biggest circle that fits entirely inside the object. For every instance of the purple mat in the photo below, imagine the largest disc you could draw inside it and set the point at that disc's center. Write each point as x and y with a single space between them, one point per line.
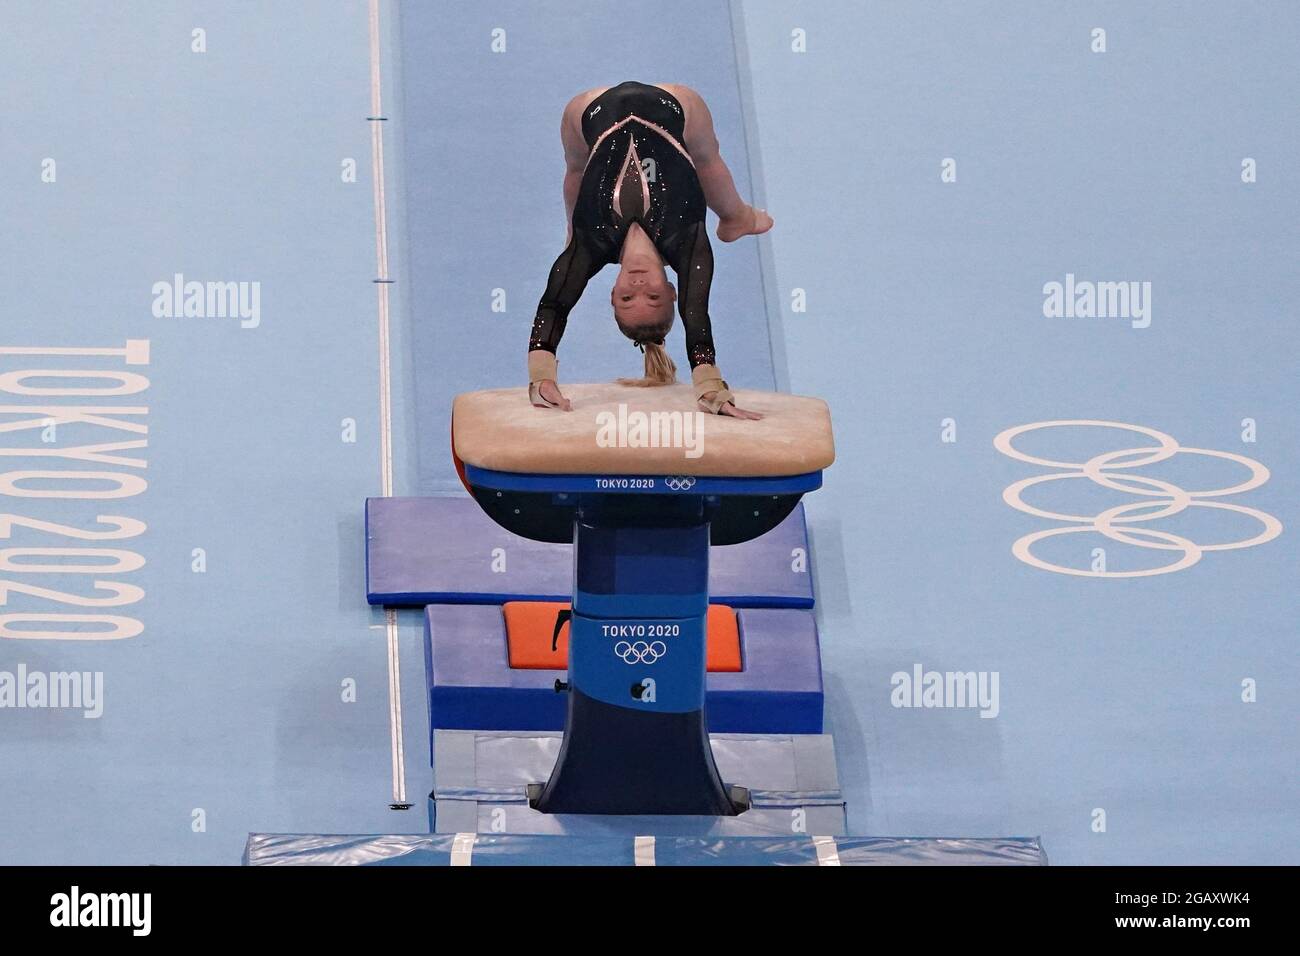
472 687
447 551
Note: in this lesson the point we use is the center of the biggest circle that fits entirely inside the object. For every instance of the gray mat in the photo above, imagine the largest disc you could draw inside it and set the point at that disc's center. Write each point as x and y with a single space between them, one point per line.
483 849
480 779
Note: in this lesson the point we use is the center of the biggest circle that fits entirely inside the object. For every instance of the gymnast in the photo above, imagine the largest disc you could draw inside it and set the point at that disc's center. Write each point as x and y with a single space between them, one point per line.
642 163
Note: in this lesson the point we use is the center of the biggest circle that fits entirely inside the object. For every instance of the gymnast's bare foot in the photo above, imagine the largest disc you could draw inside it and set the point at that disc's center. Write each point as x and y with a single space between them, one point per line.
551 393
749 222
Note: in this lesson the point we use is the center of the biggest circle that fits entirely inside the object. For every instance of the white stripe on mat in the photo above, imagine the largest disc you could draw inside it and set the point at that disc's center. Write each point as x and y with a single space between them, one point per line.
462 849
643 851
828 853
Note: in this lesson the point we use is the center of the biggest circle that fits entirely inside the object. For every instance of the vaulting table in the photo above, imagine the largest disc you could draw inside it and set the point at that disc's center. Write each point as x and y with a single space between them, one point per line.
641 485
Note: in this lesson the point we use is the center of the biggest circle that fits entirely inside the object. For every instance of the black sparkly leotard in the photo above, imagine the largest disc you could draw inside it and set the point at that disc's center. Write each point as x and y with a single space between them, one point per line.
637 170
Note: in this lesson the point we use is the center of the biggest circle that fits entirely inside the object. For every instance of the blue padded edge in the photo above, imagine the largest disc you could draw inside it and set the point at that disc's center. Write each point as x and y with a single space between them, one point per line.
392 598
699 485
289 849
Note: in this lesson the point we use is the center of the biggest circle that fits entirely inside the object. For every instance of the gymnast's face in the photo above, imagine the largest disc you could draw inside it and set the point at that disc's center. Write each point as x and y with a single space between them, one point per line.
642 294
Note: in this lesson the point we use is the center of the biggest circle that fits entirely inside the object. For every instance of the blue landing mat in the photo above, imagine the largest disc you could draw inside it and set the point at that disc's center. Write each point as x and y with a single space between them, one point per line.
487 849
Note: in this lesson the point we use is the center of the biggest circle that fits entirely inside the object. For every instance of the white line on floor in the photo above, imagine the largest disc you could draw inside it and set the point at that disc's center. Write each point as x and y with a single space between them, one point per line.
385 390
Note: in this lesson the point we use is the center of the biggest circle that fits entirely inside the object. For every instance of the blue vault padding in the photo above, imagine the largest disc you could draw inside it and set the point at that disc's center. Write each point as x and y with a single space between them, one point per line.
446 550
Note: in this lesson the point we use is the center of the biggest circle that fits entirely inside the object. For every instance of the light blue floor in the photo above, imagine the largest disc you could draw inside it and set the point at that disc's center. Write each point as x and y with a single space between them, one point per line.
224 165
923 303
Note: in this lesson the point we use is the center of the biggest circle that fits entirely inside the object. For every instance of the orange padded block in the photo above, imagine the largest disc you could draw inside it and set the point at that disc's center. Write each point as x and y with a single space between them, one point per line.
530 624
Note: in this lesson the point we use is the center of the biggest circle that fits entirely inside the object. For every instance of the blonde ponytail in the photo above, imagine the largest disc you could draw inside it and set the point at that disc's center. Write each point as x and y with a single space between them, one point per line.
659 367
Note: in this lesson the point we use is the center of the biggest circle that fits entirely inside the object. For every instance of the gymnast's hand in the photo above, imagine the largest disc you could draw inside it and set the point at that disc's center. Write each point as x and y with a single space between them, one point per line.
748 222
550 392
730 409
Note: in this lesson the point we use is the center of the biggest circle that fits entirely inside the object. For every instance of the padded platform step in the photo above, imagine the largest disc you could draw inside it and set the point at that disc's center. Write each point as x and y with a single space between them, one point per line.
447 551
473 687
534 643
519 849
480 780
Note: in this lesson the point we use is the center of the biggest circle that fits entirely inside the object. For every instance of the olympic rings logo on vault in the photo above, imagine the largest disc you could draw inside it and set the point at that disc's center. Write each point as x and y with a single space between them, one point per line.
640 652
1110 470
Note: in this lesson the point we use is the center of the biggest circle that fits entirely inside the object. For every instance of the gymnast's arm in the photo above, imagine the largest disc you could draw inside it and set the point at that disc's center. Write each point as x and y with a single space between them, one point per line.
569 277
571 272
693 263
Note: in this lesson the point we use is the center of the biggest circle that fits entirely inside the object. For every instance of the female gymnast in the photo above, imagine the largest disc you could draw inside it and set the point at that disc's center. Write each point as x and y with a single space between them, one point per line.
642 163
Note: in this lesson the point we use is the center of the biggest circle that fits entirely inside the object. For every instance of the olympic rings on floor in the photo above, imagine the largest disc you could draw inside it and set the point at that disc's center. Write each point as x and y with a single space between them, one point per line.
1107 471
